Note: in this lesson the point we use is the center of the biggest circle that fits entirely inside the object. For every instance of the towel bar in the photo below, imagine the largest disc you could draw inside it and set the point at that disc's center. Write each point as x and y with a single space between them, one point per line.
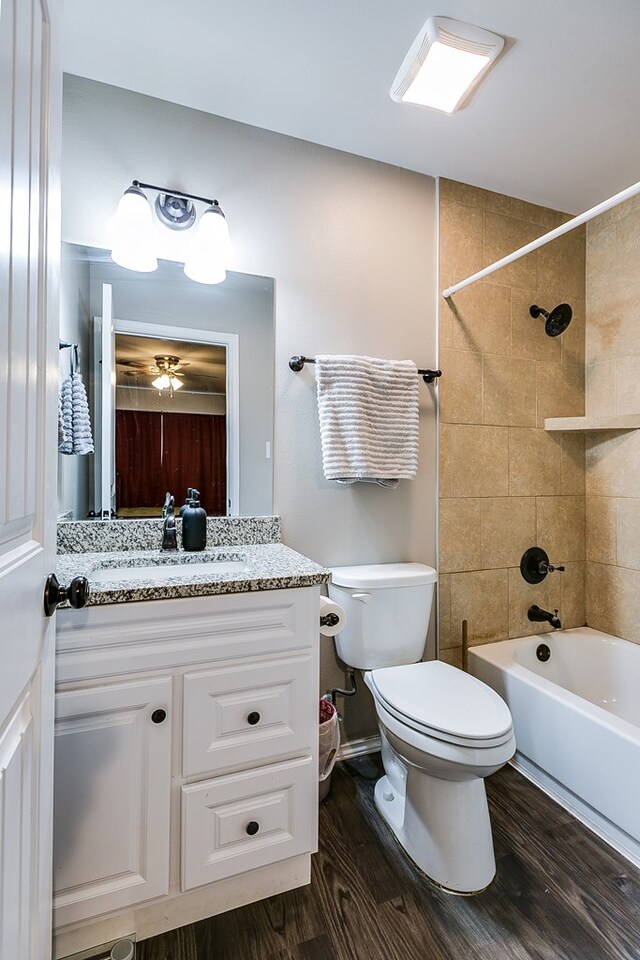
297 363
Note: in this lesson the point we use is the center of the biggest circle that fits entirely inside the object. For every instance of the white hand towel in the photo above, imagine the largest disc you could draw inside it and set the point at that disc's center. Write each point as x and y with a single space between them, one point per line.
368 410
76 424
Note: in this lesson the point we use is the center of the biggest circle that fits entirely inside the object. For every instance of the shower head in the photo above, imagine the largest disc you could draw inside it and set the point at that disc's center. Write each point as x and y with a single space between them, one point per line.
557 321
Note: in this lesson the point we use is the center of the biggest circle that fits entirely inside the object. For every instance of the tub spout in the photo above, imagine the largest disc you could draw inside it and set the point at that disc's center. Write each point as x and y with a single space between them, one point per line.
537 615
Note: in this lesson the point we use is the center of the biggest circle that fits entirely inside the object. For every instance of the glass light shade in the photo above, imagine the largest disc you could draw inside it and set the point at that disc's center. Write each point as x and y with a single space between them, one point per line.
133 233
209 252
176 383
162 382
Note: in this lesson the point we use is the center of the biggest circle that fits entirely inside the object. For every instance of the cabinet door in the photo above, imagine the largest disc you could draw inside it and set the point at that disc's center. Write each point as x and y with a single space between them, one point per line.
112 797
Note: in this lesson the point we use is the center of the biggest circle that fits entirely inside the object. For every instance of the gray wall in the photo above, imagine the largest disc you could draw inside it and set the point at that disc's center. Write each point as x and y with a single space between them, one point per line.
352 246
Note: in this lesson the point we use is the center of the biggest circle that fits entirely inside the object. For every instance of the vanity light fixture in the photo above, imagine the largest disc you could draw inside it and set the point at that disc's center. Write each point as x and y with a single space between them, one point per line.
446 61
133 242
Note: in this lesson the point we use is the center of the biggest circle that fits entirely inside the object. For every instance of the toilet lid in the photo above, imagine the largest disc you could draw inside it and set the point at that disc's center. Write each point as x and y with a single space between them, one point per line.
437 697
377 575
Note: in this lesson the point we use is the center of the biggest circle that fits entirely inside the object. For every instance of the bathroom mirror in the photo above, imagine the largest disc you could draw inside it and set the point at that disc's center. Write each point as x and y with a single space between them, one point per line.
179 384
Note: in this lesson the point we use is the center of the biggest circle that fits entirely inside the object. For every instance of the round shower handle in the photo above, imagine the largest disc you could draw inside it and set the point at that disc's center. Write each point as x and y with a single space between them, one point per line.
535 565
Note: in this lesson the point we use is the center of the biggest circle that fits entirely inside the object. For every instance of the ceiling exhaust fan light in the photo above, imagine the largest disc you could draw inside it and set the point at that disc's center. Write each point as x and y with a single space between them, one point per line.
132 229
444 77
209 253
445 62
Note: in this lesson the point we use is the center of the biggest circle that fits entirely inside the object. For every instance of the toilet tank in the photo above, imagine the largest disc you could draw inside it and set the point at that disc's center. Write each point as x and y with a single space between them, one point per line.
388 607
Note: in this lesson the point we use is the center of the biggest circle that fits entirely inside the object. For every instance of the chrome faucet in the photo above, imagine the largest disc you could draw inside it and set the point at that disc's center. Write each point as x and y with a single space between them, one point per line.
169 530
537 615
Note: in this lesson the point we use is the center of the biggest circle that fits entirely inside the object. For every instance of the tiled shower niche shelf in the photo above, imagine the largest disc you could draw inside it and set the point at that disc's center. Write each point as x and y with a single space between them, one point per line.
626 421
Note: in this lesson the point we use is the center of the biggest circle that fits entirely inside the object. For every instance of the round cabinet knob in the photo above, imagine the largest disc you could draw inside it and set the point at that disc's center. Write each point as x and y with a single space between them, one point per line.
253 718
159 716
252 828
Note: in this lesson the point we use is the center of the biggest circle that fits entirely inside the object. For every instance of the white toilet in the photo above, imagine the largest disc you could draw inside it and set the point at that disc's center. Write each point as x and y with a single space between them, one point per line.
442 730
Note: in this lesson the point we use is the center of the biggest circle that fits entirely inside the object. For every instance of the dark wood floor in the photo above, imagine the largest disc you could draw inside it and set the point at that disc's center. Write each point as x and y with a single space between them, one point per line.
559 894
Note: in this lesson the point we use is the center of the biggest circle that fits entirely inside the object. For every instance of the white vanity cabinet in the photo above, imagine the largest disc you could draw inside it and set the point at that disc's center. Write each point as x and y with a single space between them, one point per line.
186 760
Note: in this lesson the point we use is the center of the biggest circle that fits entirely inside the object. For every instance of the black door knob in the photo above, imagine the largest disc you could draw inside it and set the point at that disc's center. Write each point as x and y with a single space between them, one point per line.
252 828
77 593
253 718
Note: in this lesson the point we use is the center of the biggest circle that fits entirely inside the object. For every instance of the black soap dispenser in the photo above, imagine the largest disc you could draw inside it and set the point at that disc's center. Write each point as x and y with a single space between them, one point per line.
187 501
194 524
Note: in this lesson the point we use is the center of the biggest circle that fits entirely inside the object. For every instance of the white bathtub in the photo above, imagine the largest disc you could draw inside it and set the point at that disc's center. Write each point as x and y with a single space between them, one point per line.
577 723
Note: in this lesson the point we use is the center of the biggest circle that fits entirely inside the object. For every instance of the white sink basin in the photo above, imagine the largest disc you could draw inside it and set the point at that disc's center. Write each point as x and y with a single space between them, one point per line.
166 572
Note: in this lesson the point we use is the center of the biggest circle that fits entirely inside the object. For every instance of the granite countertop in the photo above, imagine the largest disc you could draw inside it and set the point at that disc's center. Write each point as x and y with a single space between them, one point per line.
263 566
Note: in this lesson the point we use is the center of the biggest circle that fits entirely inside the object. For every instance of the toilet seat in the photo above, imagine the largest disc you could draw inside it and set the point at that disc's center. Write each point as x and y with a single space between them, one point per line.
443 703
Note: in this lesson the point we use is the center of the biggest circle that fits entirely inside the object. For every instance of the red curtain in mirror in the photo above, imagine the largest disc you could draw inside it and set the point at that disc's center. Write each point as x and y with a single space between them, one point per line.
156 452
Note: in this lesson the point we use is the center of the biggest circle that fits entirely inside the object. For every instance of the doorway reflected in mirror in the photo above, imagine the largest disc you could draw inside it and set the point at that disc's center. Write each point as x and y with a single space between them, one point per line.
170 424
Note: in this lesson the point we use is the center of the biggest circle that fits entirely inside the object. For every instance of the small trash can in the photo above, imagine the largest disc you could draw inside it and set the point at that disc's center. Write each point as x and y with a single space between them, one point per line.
329 743
123 950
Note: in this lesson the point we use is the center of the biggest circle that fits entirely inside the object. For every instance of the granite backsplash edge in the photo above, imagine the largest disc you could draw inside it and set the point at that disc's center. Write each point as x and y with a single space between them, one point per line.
106 536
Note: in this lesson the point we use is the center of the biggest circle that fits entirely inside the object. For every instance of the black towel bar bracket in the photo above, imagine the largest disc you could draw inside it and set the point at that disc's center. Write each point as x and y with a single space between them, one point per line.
74 356
297 363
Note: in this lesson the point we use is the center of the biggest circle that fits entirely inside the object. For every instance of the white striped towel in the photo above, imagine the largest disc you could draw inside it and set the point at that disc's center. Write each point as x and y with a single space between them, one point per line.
76 424
368 411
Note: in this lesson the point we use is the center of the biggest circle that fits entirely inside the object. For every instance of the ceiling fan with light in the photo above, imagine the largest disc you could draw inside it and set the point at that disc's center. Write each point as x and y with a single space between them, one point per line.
167 368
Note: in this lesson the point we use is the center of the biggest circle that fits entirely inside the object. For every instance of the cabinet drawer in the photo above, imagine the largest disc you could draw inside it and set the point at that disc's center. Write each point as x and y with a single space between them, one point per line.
253 713
247 820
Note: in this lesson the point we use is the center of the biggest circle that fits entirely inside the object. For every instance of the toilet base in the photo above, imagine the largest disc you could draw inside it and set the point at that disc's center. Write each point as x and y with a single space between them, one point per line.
444 827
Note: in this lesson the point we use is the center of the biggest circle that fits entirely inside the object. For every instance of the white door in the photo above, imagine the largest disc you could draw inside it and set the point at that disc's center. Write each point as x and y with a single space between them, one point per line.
30 82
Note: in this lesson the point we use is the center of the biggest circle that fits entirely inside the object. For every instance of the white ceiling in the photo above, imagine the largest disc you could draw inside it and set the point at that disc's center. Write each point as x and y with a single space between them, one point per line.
554 122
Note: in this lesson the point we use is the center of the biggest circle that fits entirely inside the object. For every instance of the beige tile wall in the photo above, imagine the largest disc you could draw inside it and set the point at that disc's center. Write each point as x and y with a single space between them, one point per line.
613 387
505 484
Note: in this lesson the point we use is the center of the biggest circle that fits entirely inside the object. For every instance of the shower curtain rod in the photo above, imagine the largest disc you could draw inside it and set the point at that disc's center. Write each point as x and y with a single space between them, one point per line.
546 238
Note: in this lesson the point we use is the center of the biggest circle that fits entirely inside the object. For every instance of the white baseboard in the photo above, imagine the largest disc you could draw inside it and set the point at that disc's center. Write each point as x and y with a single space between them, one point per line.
358 747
